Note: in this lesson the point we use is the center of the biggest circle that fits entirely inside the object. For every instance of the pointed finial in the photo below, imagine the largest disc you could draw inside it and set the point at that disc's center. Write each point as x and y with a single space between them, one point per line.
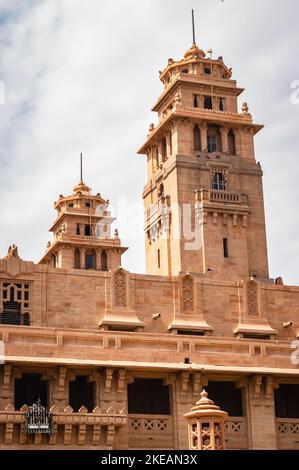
193 27
81 168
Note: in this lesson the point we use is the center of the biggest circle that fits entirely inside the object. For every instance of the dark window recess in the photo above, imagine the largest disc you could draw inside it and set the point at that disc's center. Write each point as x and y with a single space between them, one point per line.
212 143
225 247
78 229
121 328
227 396
196 137
191 333
286 401
148 396
90 260
221 104
185 71
71 204
231 143
87 204
195 101
256 337
81 393
77 259
29 389
104 261
87 231
159 259
207 70
208 102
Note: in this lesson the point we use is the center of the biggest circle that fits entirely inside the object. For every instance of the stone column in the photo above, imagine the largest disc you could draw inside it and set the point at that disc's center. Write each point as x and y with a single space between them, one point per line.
82 257
261 411
168 137
160 151
98 259
204 137
238 143
156 157
206 425
224 139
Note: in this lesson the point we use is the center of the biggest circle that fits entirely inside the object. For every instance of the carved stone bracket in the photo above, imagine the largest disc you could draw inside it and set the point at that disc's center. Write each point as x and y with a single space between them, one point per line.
7 374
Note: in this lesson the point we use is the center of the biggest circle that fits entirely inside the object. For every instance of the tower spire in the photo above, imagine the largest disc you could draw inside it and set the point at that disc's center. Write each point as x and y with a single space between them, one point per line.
193 27
81 168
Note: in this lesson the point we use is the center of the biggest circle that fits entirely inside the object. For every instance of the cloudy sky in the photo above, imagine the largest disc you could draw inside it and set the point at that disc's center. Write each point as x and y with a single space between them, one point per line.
82 75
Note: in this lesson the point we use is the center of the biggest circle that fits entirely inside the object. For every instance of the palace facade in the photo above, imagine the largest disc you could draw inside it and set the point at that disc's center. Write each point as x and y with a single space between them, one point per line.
118 358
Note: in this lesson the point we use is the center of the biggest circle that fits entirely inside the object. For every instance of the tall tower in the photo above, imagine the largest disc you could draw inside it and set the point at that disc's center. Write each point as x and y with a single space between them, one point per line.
82 233
204 208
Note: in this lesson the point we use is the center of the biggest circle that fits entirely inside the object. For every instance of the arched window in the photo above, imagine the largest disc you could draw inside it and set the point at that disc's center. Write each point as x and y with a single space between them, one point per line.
104 261
196 137
195 101
164 150
77 259
219 183
78 229
90 259
87 231
231 143
53 261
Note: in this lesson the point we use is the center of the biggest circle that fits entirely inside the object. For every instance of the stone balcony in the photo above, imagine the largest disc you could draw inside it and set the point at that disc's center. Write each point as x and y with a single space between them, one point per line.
224 197
96 429
287 434
151 432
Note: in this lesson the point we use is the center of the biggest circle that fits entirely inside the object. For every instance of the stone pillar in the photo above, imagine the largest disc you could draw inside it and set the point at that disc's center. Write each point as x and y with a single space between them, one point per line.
224 139
98 259
82 258
204 137
160 152
238 144
156 157
206 425
262 421
168 137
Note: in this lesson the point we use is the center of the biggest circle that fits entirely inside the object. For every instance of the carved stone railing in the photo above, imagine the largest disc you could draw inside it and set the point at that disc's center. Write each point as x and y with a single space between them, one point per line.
236 433
221 197
287 434
69 428
151 432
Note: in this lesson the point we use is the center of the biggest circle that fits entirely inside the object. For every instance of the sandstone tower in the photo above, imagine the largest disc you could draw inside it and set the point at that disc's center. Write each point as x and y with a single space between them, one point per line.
201 163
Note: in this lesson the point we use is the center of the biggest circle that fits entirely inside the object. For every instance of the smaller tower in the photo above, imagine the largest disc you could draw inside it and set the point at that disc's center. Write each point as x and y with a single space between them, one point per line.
82 233
206 425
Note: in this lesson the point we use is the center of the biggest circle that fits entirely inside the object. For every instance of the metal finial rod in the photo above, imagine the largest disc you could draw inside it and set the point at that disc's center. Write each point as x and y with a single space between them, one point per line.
81 168
193 27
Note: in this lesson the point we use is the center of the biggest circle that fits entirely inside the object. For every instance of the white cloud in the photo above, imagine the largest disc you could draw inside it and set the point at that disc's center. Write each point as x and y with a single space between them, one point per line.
82 76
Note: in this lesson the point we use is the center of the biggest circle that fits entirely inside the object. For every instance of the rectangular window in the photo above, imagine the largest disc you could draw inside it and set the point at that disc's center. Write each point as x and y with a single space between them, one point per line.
208 102
148 396
227 396
225 247
82 393
212 143
159 259
28 389
286 401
